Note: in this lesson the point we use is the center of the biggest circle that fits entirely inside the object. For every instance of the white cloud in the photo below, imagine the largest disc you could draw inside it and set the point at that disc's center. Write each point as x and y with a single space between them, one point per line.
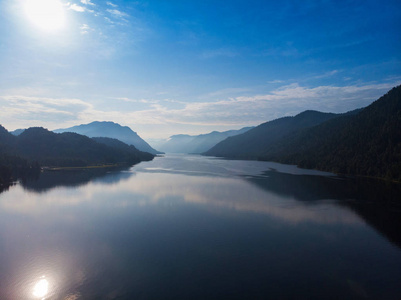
111 4
325 75
87 2
275 81
253 110
117 13
20 111
23 111
295 98
146 101
77 8
228 91
85 29
108 20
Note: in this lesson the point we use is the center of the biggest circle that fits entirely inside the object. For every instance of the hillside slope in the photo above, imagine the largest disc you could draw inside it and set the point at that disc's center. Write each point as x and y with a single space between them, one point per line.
253 143
368 143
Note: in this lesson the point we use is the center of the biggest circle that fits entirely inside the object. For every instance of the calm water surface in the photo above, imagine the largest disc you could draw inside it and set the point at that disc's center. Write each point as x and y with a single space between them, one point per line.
191 227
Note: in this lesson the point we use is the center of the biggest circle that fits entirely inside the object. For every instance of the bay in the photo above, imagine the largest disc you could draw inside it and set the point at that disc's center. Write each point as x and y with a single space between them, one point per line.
193 227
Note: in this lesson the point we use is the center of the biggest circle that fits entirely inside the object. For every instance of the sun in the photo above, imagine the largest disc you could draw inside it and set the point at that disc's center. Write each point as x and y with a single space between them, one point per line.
48 15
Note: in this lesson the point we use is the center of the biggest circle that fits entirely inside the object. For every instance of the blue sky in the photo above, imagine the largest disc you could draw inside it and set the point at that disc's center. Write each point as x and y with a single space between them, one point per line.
168 67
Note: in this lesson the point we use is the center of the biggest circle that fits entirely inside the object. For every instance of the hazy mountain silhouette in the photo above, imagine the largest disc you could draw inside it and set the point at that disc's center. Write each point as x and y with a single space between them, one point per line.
111 130
17 131
183 143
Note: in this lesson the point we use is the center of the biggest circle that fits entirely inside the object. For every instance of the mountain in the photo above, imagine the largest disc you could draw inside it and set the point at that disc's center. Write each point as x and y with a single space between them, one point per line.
116 144
111 130
17 132
6 141
367 143
72 149
364 142
39 147
183 143
253 143
12 167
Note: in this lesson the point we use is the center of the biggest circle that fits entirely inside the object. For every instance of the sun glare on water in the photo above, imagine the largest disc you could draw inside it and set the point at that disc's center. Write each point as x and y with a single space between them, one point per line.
41 288
48 15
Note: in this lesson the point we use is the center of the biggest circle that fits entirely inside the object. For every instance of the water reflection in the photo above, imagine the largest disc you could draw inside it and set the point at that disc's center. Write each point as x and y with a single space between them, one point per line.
314 188
53 179
156 233
376 201
41 288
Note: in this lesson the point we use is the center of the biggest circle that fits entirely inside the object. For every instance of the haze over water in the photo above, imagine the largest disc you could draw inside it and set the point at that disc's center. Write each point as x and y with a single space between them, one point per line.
192 227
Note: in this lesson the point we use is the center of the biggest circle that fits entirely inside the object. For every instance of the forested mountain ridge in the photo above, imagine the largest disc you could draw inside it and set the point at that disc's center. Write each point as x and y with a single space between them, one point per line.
365 142
368 143
39 147
111 130
253 143
72 149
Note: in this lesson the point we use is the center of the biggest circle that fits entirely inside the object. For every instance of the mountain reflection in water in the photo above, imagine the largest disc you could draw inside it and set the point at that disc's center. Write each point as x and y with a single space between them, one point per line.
75 178
190 227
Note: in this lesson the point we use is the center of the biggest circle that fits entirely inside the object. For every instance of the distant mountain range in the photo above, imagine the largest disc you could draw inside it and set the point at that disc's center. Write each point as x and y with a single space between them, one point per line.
363 142
183 143
111 130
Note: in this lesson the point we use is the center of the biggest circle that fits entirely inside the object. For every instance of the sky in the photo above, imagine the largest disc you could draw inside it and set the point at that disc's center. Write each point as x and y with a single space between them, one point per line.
192 67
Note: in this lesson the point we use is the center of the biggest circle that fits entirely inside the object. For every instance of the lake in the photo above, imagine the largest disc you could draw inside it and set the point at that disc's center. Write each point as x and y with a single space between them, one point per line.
193 227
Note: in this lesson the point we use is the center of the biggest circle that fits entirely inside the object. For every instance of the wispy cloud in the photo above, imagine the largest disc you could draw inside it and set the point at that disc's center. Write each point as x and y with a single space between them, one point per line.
85 29
228 91
117 13
40 111
326 75
253 110
146 101
232 112
275 81
87 2
77 8
111 4
108 20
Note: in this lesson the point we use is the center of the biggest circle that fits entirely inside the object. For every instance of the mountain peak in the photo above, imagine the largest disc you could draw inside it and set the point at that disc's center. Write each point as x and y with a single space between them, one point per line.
110 129
253 142
35 130
2 129
309 113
